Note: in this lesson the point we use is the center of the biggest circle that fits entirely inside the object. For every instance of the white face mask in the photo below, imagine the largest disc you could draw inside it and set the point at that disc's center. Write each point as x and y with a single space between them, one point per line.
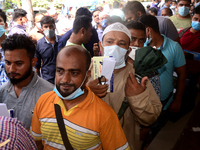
132 53
38 25
118 53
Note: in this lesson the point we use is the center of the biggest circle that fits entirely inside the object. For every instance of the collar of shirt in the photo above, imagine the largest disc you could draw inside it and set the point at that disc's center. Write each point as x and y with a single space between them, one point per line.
33 82
48 41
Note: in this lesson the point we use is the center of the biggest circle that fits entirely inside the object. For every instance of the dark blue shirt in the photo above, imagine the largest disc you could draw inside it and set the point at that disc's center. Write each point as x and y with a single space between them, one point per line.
89 46
47 52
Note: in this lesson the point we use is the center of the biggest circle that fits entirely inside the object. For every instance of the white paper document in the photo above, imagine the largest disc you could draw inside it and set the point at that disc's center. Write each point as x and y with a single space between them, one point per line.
108 68
4 110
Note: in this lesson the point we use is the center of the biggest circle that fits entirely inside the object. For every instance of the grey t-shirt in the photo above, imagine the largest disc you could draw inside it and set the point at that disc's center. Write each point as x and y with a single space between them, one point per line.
23 106
167 28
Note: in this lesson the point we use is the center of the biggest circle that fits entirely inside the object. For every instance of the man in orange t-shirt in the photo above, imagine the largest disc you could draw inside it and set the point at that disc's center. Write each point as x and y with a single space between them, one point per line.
90 123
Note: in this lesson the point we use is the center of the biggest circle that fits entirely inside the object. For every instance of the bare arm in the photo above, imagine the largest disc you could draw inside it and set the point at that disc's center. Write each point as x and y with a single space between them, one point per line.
181 83
39 145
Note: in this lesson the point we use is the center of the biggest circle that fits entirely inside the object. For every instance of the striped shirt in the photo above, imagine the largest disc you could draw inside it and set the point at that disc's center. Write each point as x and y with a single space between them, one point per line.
15 131
92 124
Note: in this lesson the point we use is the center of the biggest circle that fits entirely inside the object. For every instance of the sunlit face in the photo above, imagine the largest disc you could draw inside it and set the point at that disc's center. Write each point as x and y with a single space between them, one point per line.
38 18
18 65
24 19
116 38
96 16
138 38
70 72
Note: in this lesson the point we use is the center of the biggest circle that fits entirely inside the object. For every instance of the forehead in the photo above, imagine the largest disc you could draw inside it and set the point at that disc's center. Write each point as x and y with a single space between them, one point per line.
164 11
137 33
71 60
184 2
48 24
96 13
116 35
196 16
17 54
104 16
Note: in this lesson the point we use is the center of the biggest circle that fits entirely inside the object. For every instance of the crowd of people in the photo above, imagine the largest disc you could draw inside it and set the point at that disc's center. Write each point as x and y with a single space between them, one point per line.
47 75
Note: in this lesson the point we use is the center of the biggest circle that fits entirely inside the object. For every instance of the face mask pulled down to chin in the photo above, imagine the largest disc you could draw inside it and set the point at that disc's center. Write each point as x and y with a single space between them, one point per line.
118 53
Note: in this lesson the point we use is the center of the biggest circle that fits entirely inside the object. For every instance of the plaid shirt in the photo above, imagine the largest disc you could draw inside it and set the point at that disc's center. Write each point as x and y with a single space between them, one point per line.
3 76
20 138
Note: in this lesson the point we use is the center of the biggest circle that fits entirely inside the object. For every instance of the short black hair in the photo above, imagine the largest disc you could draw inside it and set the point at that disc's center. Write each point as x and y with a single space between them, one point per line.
166 1
100 8
154 10
19 13
114 19
150 21
148 6
133 24
115 4
19 41
83 11
196 10
174 1
96 9
134 7
168 10
46 20
184 0
3 15
81 22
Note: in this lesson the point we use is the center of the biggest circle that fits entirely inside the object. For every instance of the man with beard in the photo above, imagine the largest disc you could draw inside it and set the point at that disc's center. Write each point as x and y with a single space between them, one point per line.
24 87
89 122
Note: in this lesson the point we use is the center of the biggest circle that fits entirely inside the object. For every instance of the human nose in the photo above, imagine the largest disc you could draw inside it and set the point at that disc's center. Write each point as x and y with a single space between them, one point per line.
136 43
12 68
66 78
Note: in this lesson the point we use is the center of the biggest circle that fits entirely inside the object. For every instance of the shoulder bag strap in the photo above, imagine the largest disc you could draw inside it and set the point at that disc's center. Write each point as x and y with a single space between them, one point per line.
61 126
183 31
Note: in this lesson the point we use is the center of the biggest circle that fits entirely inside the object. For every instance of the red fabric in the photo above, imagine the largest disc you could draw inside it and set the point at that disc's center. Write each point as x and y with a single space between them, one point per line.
191 41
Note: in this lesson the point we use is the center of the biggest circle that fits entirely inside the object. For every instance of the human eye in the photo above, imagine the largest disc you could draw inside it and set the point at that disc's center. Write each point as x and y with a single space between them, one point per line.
19 63
122 43
109 41
74 73
59 71
7 63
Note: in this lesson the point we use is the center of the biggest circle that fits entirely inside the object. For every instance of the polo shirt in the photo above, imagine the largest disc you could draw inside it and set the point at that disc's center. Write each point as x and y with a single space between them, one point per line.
180 23
3 76
191 42
92 124
23 105
175 57
89 46
47 52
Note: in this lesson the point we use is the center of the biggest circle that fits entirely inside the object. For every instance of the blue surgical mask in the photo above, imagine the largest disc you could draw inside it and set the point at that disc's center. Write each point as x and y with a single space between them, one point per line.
183 11
104 23
118 53
148 41
196 25
74 95
197 4
155 3
2 30
173 7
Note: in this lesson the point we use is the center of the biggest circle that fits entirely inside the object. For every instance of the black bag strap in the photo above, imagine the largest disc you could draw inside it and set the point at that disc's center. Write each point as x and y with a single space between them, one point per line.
61 126
183 31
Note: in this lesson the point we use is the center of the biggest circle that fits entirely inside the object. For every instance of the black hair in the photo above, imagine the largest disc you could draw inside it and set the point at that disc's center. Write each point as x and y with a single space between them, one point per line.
100 8
81 22
3 15
83 11
169 11
154 10
114 19
19 41
46 20
150 21
133 24
148 6
19 13
174 1
134 7
96 9
166 1
184 0
115 4
196 10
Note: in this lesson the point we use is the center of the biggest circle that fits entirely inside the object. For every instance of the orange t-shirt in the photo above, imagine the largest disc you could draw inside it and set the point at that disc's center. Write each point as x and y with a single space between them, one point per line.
92 124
